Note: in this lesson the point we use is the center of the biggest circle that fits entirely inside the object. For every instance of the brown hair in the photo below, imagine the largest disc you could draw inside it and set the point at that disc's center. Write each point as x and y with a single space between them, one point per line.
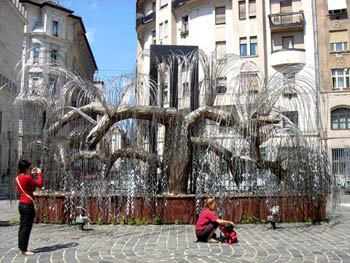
208 203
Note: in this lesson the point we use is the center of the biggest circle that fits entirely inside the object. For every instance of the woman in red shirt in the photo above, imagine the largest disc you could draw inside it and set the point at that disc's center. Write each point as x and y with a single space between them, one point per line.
25 185
208 222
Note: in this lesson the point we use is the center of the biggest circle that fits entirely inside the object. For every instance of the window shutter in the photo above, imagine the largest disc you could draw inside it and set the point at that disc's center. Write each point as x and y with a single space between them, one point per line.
220 15
338 36
166 28
286 6
252 8
242 9
220 49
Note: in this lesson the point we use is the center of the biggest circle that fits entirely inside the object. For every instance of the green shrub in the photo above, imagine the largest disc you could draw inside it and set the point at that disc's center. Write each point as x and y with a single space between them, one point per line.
156 220
14 222
113 223
177 222
99 222
44 218
131 222
121 220
141 221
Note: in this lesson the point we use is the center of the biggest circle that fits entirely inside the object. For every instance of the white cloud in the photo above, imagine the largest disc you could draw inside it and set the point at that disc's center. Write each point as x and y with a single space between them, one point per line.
94 5
91 32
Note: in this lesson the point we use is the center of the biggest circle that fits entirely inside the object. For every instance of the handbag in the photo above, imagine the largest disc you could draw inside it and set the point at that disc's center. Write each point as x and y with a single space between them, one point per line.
36 205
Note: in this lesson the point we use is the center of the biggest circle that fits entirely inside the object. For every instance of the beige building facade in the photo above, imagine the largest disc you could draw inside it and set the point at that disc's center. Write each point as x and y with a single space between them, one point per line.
12 22
334 68
54 37
273 34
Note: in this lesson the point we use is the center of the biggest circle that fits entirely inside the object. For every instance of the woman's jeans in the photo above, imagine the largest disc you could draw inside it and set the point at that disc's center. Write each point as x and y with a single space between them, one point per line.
27 214
203 235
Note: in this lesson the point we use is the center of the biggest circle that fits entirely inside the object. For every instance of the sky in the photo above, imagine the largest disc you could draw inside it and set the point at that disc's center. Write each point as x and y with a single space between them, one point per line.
110 26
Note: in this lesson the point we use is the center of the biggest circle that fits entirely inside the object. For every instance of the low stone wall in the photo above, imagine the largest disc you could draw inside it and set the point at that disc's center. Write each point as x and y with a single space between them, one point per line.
182 209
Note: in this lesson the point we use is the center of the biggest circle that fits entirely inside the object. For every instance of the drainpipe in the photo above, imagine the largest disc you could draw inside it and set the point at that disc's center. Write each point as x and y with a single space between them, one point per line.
317 74
265 38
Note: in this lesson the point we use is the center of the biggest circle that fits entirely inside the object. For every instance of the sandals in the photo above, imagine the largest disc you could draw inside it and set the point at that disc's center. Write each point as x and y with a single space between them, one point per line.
27 253
212 240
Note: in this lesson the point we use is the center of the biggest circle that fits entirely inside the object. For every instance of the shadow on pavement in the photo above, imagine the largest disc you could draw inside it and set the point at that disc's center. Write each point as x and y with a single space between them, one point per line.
55 247
5 223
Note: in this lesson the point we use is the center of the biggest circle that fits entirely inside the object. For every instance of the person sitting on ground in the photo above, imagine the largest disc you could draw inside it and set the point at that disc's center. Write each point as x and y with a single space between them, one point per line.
25 184
208 222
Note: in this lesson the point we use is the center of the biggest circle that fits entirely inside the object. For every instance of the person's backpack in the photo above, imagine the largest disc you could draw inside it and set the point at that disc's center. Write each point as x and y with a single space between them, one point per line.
227 234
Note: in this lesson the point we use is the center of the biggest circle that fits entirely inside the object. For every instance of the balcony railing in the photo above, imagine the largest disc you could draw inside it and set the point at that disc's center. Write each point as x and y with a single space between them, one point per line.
177 3
289 20
145 19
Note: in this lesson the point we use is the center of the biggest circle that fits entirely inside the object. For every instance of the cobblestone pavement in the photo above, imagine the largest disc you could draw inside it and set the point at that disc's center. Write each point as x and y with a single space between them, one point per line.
327 242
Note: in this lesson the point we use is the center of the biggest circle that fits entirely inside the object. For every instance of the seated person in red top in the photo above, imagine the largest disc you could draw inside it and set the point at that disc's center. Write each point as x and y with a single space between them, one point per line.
25 185
208 222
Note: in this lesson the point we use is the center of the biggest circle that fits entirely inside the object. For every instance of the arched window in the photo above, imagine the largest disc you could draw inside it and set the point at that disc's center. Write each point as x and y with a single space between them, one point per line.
340 119
36 52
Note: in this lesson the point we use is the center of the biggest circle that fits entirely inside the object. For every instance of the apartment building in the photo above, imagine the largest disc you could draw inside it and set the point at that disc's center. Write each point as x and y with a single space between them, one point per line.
333 27
276 35
12 22
54 37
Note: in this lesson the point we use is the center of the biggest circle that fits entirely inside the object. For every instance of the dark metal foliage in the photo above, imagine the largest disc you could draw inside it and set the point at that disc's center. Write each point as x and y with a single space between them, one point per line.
250 133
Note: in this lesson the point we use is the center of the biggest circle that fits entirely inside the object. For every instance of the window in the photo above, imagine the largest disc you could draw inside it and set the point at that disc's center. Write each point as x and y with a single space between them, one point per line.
286 6
161 31
249 80
153 6
337 8
252 9
289 79
220 49
165 79
287 42
165 96
55 28
243 46
341 161
220 15
242 10
163 3
53 86
53 55
253 46
186 89
154 40
292 116
36 52
338 41
184 31
221 85
340 119
340 78
44 119
166 29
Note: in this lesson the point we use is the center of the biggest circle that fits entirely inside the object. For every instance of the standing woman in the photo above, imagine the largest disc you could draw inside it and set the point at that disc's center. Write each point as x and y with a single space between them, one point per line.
26 185
208 222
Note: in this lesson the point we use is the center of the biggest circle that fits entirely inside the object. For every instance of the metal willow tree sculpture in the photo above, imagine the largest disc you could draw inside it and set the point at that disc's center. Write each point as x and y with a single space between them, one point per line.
241 138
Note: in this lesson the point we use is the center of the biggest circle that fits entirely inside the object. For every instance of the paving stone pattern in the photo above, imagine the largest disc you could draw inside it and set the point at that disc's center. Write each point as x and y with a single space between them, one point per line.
302 242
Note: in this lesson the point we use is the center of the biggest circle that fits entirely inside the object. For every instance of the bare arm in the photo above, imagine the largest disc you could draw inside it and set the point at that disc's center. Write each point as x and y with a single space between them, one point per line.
222 222
39 182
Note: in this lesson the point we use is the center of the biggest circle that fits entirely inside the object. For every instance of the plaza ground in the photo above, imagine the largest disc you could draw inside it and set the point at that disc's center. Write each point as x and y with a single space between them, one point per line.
295 242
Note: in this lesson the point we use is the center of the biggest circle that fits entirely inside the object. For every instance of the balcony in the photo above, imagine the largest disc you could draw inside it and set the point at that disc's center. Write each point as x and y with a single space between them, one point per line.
145 19
288 56
284 22
178 3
